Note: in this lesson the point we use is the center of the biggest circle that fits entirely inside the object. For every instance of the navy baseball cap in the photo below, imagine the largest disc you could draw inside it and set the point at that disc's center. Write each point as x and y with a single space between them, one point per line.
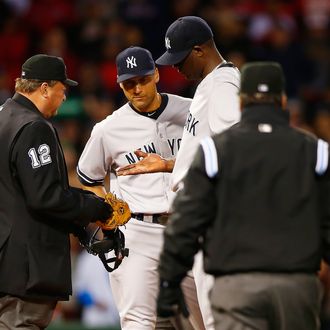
181 36
262 77
134 62
46 67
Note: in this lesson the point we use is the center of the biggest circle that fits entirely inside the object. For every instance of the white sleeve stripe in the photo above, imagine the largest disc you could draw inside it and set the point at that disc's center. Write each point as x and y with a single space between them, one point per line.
322 157
210 155
86 178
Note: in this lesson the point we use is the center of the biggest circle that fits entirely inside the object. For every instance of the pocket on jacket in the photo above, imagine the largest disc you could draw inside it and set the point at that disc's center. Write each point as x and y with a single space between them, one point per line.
49 270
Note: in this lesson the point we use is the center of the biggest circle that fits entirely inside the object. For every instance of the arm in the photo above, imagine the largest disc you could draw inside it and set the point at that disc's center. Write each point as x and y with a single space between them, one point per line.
92 165
39 169
97 190
150 163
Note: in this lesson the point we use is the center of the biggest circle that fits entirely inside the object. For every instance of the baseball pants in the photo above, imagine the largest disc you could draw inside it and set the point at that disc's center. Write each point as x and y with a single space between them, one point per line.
204 283
263 301
135 283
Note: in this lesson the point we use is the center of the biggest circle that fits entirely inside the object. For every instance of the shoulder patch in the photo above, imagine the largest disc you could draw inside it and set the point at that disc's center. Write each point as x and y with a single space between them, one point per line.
210 155
322 157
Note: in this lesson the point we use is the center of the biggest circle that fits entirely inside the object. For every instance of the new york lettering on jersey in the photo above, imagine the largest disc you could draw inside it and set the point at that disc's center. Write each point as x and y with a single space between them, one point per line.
191 124
174 145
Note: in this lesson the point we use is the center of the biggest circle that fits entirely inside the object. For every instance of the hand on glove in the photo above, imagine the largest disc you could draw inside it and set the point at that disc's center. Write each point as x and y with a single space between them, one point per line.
102 210
120 213
170 300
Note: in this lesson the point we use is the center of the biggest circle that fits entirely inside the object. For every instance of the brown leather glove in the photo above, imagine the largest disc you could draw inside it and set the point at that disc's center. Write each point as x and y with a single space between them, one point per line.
120 213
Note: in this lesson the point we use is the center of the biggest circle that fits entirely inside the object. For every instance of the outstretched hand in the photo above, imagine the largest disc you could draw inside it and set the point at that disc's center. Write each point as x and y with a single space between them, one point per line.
150 163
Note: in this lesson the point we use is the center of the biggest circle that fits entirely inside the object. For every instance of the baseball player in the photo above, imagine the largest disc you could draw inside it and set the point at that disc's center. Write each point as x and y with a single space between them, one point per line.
152 123
215 106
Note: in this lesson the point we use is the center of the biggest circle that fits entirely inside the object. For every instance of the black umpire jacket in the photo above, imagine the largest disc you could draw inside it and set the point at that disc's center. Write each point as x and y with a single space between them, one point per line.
253 201
37 207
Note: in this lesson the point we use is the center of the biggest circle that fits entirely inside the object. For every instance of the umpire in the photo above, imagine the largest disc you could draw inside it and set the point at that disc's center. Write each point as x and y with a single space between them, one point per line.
257 213
38 208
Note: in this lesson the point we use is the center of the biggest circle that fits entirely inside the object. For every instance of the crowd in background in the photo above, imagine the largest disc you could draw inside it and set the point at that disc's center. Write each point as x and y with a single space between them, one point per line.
88 34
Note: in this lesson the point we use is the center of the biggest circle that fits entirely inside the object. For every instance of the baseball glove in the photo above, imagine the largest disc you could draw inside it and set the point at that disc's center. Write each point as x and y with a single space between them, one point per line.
120 214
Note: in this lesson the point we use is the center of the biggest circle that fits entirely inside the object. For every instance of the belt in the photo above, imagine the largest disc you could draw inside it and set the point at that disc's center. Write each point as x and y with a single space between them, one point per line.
160 218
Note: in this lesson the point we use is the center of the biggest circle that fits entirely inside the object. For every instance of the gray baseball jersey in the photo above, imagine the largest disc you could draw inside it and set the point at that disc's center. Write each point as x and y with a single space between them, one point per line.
215 107
112 145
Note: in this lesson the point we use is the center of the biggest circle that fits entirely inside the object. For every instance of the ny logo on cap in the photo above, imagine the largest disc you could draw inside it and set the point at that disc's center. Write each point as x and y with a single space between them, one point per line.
264 88
167 43
131 62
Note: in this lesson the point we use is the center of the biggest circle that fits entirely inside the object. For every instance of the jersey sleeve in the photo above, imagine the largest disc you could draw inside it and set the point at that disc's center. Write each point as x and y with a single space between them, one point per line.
38 169
92 167
223 105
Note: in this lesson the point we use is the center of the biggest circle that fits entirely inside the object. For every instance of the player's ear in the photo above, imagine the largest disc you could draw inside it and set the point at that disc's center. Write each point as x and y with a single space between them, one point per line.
156 75
198 50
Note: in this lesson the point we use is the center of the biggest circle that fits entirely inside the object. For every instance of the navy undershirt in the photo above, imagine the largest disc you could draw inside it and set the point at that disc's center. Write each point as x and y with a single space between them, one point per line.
156 113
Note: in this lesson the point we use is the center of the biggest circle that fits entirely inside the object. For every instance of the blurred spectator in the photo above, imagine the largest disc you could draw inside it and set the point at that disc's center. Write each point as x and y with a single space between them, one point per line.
184 8
45 14
117 36
271 13
229 24
54 42
90 82
282 47
5 91
93 292
71 159
89 32
317 46
316 13
20 7
14 40
98 108
317 118
151 18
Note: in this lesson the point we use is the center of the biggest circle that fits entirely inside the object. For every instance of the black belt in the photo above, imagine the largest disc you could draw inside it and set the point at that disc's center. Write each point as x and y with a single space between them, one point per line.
160 218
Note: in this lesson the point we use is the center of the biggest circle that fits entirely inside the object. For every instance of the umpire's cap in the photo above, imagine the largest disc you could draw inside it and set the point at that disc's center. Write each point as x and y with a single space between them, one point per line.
45 67
262 77
134 62
181 36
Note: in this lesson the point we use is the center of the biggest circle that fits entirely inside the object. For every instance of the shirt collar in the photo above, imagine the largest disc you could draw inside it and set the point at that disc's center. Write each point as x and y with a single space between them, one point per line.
156 113
265 113
25 102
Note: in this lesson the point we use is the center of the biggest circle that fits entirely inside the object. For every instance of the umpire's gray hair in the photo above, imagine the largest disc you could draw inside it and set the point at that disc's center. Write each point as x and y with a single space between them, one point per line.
30 85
